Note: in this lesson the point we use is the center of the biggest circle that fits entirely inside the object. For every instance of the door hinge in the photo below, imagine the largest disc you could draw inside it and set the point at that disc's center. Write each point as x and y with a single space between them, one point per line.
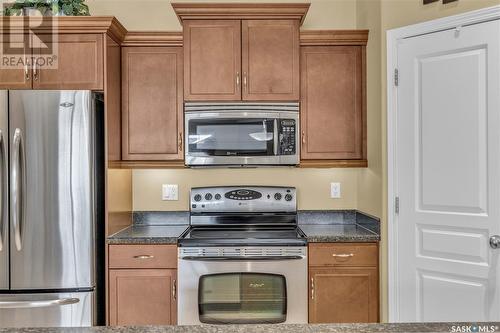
396 205
396 77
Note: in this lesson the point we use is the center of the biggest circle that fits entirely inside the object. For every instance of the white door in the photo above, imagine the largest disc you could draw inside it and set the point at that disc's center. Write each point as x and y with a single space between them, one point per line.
448 175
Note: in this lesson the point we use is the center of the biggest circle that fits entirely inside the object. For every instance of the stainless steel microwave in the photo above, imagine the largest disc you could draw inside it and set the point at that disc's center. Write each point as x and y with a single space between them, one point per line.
241 134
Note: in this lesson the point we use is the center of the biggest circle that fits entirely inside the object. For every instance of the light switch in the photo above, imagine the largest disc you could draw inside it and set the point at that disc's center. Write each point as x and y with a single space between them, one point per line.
170 192
335 192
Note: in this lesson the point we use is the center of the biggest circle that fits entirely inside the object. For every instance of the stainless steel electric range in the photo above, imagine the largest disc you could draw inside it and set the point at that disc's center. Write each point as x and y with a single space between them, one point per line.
243 260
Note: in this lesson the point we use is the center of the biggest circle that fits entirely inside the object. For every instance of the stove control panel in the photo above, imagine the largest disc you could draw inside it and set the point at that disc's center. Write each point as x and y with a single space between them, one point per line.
243 199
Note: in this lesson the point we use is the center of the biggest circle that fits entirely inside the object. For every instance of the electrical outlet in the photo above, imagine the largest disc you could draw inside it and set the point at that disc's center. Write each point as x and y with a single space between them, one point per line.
170 192
335 192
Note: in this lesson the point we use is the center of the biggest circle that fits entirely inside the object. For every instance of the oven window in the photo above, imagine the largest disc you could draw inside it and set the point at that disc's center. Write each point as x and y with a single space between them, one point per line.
242 298
231 137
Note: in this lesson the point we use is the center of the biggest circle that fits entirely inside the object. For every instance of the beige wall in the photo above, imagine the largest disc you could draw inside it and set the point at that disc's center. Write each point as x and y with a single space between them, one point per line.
313 185
119 190
158 14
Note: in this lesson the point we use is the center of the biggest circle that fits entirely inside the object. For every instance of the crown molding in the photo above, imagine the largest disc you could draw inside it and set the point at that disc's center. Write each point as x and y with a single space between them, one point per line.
333 37
65 24
153 38
213 11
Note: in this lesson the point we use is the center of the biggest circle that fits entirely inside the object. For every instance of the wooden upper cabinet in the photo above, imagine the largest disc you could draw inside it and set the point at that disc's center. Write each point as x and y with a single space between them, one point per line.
15 71
152 103
333 103
142 297
79 63
212 58
270 66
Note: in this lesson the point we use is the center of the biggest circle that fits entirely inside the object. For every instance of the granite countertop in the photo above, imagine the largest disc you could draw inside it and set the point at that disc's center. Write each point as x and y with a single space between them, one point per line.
317 233
318 226
148 234
310 328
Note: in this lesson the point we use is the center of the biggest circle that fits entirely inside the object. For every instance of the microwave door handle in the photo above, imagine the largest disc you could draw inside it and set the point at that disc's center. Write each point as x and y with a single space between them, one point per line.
275 137
249 258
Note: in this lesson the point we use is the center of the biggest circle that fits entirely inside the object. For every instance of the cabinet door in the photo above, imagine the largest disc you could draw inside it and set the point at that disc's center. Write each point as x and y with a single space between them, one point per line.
212 58
15 72
142 297
270 53
332 103
343 295
79 62
152 103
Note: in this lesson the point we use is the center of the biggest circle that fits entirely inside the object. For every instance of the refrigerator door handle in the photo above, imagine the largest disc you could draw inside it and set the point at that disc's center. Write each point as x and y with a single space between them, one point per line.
17 184
38 304
2 193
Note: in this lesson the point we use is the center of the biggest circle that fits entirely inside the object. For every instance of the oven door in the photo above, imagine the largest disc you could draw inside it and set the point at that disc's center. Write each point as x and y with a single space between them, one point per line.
237 290
231 138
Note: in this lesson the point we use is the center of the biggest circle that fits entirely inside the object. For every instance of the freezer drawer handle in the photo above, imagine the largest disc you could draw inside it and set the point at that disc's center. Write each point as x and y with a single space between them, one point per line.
17 187
2 185
38 304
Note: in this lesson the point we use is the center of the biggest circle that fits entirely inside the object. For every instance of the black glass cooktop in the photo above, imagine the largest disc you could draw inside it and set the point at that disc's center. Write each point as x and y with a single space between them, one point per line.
242 236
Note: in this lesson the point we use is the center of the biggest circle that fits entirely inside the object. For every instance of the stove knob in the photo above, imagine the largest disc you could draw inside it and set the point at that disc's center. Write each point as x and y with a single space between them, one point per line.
288 197
208 196
277 196
217 196
197 197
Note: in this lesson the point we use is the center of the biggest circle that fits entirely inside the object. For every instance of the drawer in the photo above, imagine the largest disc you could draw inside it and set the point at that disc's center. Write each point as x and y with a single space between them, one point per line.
142 256
343 254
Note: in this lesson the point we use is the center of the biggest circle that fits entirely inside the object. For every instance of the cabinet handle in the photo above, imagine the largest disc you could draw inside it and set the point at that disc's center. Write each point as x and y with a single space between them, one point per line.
343 255
245 80
35 71
303 137
180 141
144 256
237 79
26 71
312 288
174 289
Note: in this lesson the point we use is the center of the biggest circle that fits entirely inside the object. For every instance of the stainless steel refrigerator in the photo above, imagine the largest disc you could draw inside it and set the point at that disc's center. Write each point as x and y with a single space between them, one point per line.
49 207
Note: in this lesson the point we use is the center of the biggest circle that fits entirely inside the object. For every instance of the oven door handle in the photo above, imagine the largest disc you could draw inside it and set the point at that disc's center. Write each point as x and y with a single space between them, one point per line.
249 258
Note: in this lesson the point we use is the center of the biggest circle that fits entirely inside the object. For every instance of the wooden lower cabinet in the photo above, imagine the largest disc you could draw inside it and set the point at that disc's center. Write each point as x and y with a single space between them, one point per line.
343 295
142 284
343 283
142 297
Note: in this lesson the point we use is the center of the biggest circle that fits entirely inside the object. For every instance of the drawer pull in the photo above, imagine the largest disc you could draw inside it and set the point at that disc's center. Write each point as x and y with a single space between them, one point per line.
144 256
343 255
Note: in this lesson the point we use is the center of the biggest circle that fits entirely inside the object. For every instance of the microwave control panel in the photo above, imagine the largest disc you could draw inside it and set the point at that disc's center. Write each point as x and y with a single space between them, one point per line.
287 137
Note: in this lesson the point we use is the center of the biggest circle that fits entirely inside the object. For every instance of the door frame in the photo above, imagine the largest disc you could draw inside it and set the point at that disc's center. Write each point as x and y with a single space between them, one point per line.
393 38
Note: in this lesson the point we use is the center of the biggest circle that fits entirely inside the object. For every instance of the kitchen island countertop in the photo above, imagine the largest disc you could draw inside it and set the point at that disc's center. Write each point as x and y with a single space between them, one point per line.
297 328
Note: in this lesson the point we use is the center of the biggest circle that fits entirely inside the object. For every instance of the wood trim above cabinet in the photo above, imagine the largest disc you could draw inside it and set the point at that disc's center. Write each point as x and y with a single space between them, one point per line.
146 165
153 38
66 25
333 37
334 163
217 11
